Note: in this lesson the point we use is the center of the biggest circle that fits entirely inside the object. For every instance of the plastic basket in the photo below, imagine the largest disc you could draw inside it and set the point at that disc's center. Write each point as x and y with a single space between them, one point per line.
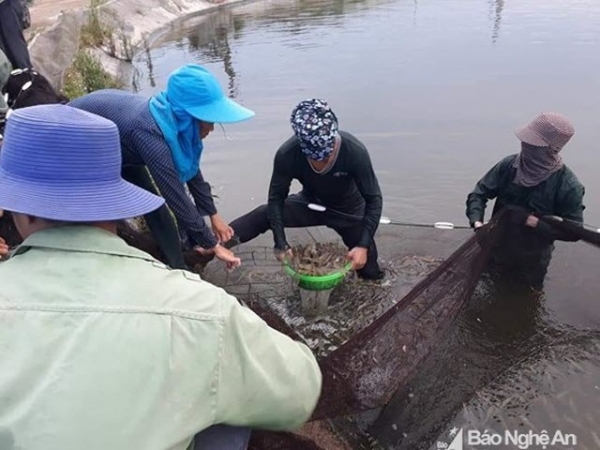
318 282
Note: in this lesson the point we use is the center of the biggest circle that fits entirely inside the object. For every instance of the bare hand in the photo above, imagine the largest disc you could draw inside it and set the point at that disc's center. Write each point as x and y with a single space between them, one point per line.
284 255
221 229
477 224
532 221
3 248
358 257
227 256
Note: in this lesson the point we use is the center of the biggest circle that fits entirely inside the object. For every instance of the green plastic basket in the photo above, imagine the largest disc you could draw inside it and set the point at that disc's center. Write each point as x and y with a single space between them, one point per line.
318 282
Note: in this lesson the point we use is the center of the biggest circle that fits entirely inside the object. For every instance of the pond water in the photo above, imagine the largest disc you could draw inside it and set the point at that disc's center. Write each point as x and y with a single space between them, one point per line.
434 89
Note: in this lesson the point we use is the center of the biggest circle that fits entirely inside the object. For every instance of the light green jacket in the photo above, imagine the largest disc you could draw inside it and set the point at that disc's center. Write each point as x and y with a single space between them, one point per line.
102 347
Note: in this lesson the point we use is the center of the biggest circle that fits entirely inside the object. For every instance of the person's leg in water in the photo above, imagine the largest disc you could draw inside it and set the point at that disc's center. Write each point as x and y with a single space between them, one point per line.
222 437
161 223
296 214
12 40
523 270
518 258
351 237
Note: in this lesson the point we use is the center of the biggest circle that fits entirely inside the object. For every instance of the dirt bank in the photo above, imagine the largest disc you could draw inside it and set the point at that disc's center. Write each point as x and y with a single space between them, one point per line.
56 30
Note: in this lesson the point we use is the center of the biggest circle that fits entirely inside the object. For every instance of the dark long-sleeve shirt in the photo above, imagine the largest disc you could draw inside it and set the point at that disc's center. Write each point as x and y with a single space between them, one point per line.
560 195
142 143
349 186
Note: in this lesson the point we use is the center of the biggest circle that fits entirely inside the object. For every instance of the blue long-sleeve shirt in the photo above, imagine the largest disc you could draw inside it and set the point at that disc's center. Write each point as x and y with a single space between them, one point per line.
142 143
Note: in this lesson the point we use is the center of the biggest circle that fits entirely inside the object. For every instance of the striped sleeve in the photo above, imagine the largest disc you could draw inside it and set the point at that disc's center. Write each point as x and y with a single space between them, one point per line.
155 153
202 194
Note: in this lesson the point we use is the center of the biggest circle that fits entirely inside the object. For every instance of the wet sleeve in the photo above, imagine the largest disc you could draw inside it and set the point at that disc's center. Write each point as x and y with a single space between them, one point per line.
570 207
202 194
265 379
368 186
279 188
157 156
485 189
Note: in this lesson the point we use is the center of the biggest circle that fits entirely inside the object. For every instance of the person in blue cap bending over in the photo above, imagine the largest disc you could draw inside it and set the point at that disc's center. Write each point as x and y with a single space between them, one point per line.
164 135
335 171
103 347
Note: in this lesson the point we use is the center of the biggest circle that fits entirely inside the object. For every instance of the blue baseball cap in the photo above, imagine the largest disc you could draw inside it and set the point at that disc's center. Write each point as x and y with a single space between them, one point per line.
195 90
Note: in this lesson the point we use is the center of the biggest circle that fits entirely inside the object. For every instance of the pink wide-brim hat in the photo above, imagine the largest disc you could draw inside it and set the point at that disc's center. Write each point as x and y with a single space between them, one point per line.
547 130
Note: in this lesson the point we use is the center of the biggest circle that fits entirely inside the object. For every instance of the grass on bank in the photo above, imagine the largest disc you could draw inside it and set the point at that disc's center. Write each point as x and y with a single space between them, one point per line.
86 74
94 33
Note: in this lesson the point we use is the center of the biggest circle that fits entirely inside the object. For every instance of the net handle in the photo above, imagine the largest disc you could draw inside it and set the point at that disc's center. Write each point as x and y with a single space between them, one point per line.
387 221
559 219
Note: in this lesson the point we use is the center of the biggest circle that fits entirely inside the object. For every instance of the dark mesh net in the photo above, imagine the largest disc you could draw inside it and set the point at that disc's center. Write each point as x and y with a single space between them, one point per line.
373 365
366 371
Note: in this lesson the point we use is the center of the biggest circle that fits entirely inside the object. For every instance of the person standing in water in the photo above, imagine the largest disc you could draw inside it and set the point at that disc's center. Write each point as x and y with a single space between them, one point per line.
335 171
161 139
533 183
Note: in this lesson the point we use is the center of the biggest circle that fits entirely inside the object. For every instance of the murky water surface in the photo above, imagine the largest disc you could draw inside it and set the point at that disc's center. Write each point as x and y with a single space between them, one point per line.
434 89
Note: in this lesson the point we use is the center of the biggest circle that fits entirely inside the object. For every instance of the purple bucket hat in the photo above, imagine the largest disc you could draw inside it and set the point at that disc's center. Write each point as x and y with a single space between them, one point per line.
547 130
61 163
316 128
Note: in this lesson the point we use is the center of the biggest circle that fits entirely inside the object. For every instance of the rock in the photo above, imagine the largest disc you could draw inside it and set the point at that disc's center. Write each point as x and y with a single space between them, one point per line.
61 40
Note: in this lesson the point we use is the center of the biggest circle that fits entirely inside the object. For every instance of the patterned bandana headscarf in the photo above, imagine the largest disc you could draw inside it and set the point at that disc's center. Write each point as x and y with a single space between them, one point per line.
535 164
316 128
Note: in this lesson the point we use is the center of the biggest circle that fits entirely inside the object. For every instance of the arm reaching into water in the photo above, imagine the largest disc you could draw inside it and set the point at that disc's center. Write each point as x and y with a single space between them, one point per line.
485 189
163 172
281 179
202 195
201 192
162 169
368 186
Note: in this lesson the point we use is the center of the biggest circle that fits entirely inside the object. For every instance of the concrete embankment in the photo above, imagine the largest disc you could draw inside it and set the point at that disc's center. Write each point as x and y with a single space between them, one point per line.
111 31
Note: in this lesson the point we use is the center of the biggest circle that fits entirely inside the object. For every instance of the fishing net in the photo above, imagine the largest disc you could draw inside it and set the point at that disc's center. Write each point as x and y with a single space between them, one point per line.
366 371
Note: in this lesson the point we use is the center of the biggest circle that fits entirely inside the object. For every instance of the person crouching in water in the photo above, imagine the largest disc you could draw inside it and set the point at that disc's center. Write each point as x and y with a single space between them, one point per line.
533 183
161 139
335 171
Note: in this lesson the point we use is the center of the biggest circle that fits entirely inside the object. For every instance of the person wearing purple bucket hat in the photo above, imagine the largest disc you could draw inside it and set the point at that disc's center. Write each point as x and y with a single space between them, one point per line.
532 184
161 139
103 346
335 171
